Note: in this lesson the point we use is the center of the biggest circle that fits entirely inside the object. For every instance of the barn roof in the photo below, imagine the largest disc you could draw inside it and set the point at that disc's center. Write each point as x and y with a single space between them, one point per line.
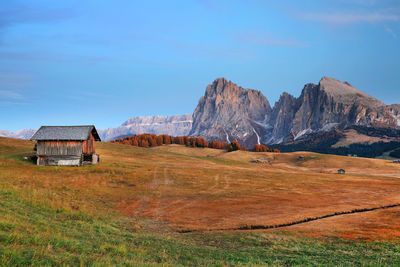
65 133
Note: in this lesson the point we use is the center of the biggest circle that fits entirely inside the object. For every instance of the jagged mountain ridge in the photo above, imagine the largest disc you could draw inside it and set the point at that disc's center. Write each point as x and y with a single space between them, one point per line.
228 111
21 134
175 125
333 104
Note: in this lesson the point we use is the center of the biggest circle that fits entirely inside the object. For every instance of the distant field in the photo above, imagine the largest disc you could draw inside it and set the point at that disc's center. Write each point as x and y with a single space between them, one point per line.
133 206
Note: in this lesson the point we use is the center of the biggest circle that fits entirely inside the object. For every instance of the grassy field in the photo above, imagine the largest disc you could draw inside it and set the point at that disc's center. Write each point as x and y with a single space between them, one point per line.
130 209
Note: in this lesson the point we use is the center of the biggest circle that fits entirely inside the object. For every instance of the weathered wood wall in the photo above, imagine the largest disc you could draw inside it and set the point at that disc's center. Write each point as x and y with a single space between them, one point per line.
71 153
59 148
59 160
88 146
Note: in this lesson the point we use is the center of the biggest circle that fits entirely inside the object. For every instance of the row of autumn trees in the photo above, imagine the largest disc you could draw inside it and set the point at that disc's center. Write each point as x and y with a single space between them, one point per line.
152 140
262 148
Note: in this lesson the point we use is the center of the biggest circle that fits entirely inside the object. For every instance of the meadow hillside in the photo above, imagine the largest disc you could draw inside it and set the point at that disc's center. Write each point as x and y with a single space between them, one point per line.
184 206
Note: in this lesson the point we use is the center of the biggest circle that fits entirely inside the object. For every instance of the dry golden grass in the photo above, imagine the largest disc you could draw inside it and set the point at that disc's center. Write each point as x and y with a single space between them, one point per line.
373 225
207 189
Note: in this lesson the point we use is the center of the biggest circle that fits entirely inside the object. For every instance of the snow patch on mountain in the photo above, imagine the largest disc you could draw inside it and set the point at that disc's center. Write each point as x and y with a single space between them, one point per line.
303 132
258 137
176 125
329 126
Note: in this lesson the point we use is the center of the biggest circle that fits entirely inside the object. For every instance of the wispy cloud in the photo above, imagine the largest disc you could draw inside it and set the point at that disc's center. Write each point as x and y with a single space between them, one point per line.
381 17
15 80
10 95
80 39
42 56
36 56
25 14
8 103
351 17
360 2
201 50
211 5
22 14
13 88
390 31
262 39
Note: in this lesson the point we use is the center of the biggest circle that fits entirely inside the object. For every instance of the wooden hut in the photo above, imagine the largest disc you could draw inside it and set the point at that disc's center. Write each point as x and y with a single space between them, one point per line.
66 145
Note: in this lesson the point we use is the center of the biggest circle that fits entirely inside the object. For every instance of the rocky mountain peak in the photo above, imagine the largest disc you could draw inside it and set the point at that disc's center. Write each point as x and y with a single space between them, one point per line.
346 93
284 99
217 86
220 82
336 87
229 112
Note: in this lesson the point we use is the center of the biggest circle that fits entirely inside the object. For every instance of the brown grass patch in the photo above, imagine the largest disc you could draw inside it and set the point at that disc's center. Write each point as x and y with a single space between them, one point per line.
206 189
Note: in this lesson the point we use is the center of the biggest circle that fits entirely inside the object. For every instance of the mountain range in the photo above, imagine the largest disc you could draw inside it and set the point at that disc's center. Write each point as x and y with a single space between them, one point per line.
176 125
21 134
229 112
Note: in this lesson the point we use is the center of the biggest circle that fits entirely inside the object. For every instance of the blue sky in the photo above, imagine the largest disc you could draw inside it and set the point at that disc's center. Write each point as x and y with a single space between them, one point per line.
102 62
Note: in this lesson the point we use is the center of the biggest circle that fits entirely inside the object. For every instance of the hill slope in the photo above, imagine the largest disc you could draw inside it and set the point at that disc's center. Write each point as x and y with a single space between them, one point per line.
128 208
361 141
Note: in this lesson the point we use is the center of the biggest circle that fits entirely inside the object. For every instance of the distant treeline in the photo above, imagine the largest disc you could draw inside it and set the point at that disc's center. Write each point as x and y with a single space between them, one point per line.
318 142
395 153
152 140
322 143
263 148
377 131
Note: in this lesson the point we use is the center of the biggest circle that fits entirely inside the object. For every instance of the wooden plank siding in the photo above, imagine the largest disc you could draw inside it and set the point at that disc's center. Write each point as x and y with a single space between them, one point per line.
59 148
88 146
66 145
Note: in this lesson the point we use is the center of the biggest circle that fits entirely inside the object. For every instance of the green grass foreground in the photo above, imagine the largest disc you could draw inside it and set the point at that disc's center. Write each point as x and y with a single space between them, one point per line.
37 230
32 233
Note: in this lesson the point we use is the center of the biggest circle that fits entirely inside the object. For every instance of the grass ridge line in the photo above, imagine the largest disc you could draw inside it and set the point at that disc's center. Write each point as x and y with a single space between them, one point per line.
309 219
